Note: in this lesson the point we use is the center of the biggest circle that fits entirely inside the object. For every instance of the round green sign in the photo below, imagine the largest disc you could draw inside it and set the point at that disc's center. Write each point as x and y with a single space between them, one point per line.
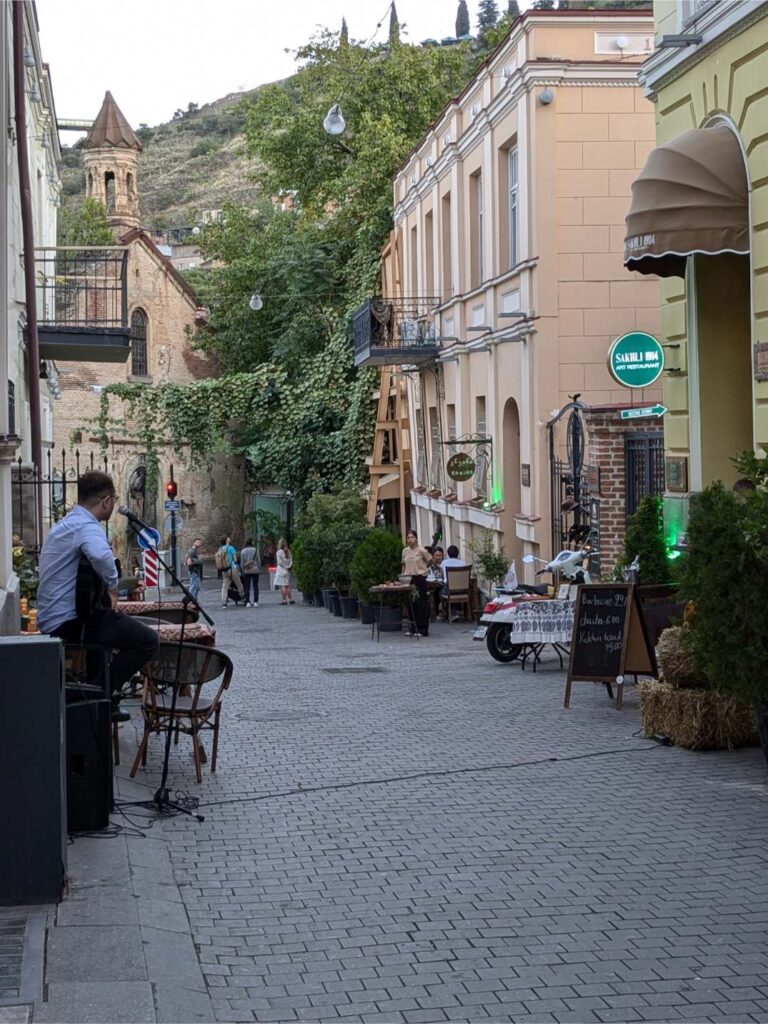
461 466
636 360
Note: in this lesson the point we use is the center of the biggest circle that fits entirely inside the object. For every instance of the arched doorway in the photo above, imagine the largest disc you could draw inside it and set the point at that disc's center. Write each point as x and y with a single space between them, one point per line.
512 498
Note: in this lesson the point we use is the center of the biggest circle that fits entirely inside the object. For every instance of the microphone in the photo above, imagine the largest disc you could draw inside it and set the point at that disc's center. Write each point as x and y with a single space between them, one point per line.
123 510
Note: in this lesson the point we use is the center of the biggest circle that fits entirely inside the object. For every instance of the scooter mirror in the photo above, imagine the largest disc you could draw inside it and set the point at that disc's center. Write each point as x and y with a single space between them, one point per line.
529 558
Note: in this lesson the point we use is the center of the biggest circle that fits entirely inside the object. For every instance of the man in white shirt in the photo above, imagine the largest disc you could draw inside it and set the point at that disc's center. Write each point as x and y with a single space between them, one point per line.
79 536
453 561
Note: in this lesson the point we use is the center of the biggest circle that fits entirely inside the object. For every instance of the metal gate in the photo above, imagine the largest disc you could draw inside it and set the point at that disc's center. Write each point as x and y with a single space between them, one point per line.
54 490
644 466
575 487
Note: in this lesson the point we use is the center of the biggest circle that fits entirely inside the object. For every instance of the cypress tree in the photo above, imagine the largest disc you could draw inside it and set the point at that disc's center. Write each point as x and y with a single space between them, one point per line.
344 34
487 16
513 9
394 26
462 20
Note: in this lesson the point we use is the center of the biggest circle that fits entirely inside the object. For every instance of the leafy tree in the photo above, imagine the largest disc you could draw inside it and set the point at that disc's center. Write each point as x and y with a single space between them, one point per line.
487 15
543 5
462 20
376 559
85 225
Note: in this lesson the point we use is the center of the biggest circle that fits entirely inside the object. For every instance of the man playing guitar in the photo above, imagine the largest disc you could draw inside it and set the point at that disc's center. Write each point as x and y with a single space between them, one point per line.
76 551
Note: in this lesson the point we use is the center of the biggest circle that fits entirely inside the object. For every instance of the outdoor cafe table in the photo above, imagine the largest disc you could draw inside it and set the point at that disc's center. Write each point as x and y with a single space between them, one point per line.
535 624
194 632
403 592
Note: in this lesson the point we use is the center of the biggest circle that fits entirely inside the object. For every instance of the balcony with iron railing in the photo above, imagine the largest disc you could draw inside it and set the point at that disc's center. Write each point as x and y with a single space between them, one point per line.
393 332
82 303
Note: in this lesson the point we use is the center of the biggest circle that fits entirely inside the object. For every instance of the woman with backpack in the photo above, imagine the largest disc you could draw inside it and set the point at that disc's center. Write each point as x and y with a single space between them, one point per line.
283 571
250 563
225 559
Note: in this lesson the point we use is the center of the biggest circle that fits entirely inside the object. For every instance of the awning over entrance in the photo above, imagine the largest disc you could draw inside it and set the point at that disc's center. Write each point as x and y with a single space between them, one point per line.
691 197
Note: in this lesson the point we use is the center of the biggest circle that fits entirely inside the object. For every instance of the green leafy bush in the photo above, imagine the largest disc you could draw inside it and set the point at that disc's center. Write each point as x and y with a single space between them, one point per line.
340 542
307 553
376 559
723 574
492 564
645 538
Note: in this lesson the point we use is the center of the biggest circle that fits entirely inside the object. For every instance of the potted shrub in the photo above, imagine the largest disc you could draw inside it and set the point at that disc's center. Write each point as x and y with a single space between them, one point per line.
307 563
644 540
377 559
722 575
491 564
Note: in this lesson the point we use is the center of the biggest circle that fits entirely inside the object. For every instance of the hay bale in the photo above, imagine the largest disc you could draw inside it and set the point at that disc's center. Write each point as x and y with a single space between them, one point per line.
696 719
675 664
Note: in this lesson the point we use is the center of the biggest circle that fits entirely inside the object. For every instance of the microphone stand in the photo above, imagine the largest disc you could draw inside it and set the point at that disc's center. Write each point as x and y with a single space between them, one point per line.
161 800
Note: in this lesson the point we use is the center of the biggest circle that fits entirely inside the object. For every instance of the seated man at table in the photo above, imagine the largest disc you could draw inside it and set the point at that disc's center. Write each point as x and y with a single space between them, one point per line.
77 595
451 562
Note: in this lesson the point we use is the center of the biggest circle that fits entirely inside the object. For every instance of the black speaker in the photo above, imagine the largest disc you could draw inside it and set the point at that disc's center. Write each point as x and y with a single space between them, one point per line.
89 761
32 778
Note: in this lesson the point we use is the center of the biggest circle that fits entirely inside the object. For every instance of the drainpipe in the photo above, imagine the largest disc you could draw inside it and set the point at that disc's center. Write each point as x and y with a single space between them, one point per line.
33 347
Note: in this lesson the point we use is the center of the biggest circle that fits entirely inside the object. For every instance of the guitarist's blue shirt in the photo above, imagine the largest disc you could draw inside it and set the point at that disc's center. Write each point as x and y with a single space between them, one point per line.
78 533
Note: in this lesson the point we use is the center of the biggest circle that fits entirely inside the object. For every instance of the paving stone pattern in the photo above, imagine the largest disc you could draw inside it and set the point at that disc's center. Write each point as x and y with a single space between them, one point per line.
406 831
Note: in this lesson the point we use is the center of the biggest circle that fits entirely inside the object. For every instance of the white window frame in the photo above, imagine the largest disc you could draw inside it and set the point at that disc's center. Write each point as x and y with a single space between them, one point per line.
480 231
513 188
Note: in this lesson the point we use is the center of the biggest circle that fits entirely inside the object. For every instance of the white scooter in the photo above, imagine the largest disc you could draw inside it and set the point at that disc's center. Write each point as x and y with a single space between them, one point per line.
495 622
568 564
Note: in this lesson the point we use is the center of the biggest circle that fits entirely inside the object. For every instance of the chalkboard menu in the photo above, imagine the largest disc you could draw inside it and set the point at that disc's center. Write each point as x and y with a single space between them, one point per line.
609 637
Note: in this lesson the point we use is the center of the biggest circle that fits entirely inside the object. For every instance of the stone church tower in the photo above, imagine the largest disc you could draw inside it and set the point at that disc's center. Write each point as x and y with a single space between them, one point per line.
162 310
111 157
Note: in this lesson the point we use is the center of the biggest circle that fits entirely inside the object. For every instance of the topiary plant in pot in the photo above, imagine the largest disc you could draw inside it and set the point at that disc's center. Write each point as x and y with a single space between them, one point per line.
377 559
307 553
644 539
723 574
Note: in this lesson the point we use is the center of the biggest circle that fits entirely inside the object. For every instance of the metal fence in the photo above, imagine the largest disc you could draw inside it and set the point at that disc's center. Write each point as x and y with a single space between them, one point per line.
56 485
405 323
82 287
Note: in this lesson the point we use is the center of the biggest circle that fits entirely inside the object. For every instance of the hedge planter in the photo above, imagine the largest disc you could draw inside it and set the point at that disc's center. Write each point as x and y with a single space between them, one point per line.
389 618
334 604
366 613
318 599
696 719
328 594
348 607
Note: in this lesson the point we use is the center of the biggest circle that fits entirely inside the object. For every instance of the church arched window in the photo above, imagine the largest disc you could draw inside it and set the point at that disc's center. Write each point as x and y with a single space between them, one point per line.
139 364
109 191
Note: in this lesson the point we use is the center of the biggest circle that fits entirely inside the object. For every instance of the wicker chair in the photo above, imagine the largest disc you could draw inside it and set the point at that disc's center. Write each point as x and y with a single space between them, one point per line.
194 668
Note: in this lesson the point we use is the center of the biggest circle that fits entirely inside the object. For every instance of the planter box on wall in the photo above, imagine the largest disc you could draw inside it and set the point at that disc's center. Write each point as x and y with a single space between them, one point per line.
696 719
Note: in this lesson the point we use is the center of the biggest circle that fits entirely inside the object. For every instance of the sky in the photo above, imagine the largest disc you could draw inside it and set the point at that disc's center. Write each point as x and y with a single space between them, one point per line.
158 55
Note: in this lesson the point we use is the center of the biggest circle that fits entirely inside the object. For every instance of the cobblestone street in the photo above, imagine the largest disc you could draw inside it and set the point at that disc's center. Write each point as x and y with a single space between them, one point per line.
409 831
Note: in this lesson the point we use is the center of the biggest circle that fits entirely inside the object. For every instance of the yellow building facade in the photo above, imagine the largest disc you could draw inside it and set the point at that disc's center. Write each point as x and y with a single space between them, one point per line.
707 80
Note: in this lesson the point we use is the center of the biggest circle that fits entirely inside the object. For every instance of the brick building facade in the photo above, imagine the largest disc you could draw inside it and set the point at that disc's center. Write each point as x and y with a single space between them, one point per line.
161 309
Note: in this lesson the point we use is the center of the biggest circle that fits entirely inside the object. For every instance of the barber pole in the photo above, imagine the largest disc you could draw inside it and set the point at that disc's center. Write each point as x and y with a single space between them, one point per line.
150 569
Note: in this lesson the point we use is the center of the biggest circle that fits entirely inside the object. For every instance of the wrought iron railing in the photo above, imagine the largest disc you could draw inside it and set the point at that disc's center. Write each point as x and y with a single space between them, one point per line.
56 482
82 287
405 323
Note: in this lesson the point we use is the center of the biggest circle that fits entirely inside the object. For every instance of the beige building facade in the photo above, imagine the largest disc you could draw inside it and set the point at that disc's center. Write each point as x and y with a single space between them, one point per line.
707 82
509 227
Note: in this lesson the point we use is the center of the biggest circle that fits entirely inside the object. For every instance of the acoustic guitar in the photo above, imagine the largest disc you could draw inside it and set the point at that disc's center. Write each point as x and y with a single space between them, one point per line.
91 595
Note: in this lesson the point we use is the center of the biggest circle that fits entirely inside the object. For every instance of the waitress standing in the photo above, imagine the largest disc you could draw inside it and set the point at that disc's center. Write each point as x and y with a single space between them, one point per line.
416 561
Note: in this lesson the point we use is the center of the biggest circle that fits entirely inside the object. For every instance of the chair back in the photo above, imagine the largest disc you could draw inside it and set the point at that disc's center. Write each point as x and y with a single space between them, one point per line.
457 579
191 665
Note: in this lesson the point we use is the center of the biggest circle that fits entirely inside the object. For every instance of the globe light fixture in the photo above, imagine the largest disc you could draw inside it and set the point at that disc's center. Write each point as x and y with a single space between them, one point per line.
256 302
334 123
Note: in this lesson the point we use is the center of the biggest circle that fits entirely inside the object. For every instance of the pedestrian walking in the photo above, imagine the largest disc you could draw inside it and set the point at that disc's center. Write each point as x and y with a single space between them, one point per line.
250 564
195 567
226 560
283 571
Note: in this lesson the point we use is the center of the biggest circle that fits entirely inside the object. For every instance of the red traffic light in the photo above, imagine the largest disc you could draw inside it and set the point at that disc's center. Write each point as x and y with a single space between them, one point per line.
171 489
